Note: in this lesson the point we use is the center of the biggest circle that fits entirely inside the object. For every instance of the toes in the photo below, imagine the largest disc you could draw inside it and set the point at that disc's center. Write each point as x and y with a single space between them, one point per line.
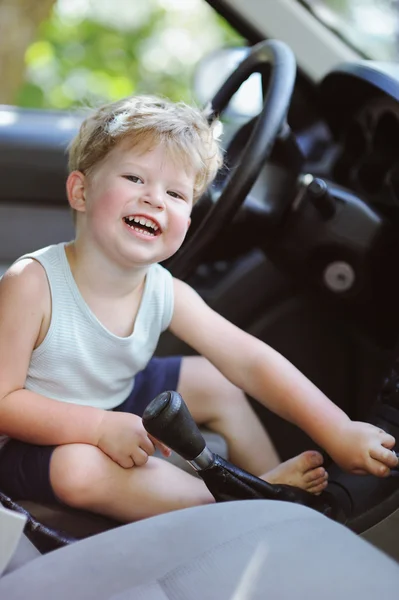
303 471
314 474
318 488
311 459
318 481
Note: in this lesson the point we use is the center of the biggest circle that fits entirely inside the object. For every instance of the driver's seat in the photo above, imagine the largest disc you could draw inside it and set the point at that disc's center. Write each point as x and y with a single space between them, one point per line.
80 524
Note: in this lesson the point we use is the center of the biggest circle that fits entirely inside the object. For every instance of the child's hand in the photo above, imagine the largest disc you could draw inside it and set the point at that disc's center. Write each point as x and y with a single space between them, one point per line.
123 438
363 448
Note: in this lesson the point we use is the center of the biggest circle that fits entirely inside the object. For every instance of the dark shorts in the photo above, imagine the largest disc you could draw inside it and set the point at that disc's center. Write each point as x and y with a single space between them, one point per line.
25 468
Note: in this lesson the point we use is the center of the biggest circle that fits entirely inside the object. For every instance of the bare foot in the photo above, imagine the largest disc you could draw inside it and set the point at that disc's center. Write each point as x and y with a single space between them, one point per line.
303 471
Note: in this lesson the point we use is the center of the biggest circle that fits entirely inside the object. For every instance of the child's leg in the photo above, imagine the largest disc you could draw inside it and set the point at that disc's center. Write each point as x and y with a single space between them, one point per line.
218 404
83 477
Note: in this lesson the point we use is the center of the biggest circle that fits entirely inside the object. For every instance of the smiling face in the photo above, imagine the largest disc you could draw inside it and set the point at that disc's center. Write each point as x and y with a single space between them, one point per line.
135 205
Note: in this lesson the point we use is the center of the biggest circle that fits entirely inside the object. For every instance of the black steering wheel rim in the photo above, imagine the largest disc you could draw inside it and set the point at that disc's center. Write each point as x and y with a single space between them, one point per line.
269 124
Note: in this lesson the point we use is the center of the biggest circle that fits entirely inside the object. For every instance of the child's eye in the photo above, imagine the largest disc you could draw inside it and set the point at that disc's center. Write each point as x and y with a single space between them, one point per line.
176 195
133 178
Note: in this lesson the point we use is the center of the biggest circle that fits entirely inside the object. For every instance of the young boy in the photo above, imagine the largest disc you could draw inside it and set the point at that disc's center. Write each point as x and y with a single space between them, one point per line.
79 323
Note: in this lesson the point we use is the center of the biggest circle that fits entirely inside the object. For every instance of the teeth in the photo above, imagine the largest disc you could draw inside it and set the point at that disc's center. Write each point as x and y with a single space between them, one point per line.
151 224
143 231
143 221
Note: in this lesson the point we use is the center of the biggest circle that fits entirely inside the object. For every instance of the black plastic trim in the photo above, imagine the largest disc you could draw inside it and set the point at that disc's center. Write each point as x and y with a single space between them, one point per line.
243 27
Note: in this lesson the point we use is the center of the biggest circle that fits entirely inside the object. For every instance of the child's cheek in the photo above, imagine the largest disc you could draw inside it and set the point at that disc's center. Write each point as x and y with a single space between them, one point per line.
106 207
181 228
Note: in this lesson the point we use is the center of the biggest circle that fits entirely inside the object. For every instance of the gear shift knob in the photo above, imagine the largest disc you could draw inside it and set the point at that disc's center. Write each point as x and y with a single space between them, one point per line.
168 419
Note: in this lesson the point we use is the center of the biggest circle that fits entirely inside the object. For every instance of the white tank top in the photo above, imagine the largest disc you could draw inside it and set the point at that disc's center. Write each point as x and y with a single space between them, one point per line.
81 361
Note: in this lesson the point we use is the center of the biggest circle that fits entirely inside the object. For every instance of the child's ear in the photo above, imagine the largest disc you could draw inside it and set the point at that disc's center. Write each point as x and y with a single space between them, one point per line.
75 187
188 224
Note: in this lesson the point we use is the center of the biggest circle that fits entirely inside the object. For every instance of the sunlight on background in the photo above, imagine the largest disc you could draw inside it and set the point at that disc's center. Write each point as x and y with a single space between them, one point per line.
92 51
372 27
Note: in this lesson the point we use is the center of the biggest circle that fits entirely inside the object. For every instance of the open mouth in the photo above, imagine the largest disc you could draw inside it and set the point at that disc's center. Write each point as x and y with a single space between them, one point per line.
143 225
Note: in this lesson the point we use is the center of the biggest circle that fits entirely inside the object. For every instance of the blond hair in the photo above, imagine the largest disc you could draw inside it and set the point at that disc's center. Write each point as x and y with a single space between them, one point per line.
148 121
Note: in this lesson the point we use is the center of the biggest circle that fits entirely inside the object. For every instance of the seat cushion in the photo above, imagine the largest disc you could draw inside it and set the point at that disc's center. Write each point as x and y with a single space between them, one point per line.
24 553
81 524
252 549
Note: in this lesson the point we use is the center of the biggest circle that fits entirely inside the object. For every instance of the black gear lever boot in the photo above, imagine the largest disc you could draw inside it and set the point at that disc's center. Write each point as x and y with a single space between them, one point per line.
168 419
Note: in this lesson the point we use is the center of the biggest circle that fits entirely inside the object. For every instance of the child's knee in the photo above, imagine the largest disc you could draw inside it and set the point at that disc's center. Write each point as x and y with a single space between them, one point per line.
75 473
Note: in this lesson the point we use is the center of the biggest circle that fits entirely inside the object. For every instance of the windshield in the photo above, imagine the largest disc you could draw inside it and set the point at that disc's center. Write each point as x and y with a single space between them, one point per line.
371 26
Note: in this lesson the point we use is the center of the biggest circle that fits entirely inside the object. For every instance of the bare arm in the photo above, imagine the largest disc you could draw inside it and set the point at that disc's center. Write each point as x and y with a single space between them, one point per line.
253 366
25 307
267 376
24 415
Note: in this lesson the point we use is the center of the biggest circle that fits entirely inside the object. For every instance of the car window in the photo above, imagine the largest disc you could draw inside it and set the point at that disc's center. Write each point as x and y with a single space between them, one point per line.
92 51
371 27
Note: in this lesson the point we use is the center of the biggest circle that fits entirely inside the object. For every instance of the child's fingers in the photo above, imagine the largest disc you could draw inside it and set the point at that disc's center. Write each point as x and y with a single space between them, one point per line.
147 445
139 457
357 471
377 467
387 440
165 451
384 456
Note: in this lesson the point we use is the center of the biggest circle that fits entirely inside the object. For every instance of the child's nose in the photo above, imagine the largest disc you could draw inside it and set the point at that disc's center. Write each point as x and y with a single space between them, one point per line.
154 197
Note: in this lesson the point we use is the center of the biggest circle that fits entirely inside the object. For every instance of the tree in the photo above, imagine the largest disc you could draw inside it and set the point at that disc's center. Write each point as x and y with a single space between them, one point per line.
87 52
19 20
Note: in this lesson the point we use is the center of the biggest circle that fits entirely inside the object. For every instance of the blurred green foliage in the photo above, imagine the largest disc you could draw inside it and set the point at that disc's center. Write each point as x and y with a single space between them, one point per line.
89 60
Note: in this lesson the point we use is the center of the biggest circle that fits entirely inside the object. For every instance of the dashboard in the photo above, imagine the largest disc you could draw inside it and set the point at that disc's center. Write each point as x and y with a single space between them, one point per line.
361 104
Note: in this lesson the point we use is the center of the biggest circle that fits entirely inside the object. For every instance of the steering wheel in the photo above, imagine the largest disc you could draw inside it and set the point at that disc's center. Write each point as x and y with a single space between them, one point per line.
269 124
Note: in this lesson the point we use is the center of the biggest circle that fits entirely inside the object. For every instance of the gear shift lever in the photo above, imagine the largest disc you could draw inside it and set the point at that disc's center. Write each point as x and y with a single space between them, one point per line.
168 419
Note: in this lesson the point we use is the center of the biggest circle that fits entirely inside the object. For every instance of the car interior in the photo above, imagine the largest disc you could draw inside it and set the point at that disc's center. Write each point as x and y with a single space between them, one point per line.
296 242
